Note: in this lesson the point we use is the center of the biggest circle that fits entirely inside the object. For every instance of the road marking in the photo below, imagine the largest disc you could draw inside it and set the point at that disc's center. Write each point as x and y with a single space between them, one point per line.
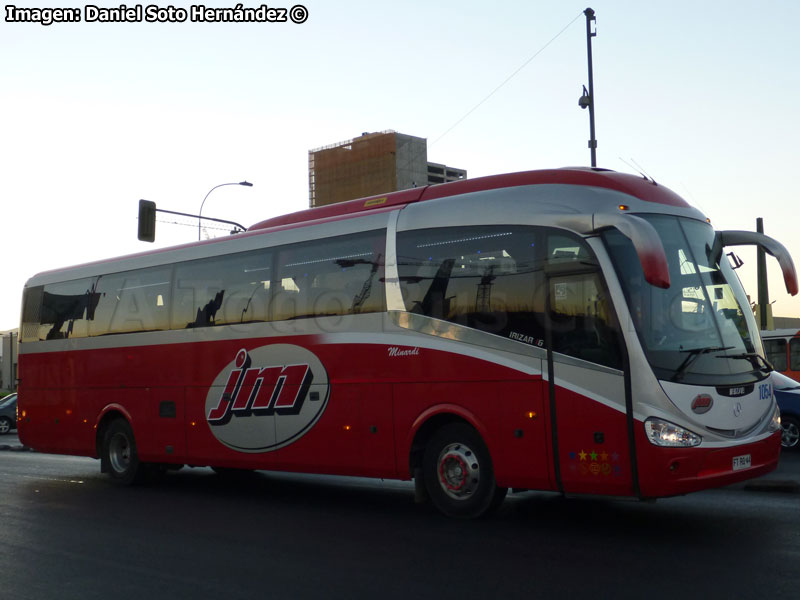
53 479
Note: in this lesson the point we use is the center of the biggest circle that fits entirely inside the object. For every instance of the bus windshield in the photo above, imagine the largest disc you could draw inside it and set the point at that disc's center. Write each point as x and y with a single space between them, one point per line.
700 330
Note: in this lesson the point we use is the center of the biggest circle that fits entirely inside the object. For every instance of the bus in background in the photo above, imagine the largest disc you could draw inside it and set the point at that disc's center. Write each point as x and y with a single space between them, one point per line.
569 330
783 350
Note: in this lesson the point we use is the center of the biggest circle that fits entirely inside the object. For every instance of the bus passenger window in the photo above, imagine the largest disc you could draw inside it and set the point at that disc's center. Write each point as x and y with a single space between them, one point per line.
133 301
31 314
331 277
794 354
486 278
776 353
222 290
66 309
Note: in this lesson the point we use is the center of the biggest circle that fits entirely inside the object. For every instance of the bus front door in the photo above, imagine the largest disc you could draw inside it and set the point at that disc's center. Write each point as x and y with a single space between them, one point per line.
586 386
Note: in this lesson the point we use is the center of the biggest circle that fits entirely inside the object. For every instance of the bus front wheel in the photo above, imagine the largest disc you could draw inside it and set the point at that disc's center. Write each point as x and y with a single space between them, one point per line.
120 459
458 473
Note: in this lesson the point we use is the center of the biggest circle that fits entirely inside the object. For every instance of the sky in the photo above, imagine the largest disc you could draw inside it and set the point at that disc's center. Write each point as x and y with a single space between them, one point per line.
700 95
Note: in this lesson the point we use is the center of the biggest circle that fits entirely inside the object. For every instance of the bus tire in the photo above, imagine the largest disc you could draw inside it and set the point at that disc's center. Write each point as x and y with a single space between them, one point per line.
119 454
790 436
458 473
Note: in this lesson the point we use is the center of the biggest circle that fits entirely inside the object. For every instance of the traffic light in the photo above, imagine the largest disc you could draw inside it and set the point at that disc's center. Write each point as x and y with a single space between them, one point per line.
147 220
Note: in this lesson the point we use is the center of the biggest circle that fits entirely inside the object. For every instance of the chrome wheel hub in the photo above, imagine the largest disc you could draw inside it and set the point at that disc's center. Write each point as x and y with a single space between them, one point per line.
459 471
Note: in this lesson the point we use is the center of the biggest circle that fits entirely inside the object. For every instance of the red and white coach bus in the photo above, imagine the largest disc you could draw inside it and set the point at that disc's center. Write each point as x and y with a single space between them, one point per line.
572 330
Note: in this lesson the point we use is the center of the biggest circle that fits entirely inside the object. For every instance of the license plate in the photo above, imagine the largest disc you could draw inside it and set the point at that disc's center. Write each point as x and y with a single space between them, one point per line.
741 462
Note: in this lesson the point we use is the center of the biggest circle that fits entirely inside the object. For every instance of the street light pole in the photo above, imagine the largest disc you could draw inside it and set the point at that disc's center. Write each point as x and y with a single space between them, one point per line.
200 214
587 100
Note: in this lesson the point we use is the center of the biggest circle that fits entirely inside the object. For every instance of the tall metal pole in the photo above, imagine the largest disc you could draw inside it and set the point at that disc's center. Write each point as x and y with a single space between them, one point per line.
589 35
761 274
12 371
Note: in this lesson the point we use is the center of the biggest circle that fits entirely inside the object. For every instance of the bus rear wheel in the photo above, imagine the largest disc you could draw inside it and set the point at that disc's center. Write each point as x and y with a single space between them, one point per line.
119 456
458 473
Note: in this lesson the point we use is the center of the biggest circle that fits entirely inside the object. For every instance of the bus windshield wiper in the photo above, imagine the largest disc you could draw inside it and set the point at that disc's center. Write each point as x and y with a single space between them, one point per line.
692 355
758 361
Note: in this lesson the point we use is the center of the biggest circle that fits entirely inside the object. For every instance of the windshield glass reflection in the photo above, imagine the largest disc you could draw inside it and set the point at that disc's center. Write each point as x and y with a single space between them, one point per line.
701 329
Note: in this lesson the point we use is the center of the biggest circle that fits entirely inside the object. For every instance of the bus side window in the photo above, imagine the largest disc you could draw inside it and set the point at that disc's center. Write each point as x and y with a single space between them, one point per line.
776 353
66 309
582 318
133 301
794 354
484 277
222 290
330 277
32 314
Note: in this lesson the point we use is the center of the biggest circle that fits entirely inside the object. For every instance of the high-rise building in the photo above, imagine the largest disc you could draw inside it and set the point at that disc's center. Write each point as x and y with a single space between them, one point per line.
371 164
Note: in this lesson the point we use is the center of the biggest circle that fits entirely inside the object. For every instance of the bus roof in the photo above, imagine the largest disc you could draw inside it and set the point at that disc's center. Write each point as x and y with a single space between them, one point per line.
639 187
780 333
632 185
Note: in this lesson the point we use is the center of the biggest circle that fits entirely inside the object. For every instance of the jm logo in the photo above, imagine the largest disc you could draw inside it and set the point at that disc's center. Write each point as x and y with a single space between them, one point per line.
261 390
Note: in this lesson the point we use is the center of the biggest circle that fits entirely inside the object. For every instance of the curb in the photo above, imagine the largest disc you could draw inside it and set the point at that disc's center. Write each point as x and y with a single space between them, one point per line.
15 448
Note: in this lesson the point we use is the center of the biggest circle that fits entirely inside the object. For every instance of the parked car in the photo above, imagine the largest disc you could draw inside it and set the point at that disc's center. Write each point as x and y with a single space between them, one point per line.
787 393
8 413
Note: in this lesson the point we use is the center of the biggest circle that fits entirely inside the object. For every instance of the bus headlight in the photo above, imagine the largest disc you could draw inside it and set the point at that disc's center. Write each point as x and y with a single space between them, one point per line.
775 423
664 433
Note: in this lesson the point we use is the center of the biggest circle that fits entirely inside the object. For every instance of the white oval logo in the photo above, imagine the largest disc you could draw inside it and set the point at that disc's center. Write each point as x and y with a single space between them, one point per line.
267 398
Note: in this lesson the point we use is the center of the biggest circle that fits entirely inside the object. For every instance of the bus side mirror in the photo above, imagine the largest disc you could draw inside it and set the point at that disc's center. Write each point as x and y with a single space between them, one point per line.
147 220
770 246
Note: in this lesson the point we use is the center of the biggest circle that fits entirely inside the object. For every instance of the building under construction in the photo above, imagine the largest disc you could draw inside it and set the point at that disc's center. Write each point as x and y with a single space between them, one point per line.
372 164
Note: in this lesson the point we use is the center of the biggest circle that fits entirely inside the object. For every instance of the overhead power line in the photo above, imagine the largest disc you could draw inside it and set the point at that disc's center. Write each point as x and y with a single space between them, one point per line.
507 79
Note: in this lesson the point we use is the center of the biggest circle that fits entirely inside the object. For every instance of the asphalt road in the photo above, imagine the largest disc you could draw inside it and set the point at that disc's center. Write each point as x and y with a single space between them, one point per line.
68 533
